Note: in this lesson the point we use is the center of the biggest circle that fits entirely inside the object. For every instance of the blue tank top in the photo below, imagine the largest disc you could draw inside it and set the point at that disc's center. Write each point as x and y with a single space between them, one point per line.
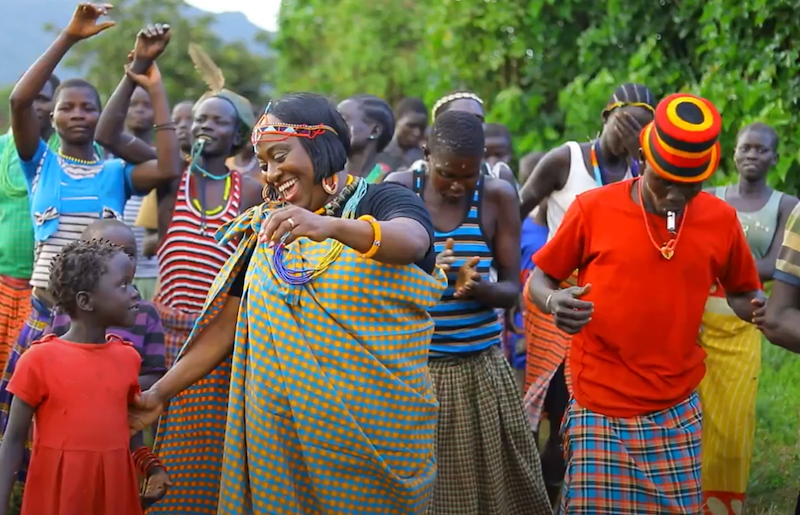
463 325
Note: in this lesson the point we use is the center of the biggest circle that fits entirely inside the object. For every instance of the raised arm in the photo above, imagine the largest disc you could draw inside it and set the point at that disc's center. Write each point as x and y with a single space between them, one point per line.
150 44
549 175
24 122
167 167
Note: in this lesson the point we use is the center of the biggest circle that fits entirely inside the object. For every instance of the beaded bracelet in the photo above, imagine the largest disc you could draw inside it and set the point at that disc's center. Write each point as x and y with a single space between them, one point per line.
376 236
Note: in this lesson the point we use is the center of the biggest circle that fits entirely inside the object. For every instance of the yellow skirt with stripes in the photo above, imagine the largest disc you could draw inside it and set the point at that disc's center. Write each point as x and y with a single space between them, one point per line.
728 397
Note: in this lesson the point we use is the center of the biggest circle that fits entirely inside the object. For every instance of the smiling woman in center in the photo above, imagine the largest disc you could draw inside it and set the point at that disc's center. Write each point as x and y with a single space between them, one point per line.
325 313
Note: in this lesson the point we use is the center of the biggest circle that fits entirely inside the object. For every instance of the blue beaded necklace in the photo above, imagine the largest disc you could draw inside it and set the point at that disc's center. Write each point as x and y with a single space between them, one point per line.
599 172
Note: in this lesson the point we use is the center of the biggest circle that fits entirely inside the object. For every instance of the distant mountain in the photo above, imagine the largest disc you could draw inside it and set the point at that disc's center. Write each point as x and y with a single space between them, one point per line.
23 37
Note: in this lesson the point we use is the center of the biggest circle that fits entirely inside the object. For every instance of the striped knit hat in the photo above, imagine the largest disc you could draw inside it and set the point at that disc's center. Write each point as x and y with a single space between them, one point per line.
681 144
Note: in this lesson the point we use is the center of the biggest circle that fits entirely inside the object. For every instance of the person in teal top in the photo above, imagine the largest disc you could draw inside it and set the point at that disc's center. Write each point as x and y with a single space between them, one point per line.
371 124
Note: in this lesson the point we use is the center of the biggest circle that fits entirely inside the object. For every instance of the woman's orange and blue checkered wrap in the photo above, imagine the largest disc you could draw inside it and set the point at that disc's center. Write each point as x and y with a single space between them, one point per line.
326 405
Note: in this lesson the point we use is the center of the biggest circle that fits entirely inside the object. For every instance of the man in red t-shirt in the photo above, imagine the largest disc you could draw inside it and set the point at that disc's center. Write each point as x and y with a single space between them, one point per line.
648 251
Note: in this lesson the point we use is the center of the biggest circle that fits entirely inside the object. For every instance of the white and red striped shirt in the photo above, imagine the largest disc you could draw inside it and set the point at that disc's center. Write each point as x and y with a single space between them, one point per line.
189 258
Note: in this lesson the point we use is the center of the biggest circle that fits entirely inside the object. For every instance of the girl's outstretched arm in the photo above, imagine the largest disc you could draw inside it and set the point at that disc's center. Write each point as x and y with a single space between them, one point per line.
19 425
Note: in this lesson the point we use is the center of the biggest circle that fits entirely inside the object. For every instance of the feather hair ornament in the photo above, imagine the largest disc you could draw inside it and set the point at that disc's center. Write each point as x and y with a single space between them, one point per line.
207 68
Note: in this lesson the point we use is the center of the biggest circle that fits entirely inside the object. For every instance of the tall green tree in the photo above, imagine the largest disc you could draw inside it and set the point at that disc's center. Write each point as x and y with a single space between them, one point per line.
245 71
547 67
346 47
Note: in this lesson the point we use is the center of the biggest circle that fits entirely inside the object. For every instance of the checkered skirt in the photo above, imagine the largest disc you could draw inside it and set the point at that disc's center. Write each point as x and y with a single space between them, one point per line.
488 462
647 465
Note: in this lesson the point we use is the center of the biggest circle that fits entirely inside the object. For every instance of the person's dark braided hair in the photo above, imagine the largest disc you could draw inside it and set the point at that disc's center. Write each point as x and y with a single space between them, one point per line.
79 267
497 130
410 105
760 127
376 110
328 151
457 133
631 93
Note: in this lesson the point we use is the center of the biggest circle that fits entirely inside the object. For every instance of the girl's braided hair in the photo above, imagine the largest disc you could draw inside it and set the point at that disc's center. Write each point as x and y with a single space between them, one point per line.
79 267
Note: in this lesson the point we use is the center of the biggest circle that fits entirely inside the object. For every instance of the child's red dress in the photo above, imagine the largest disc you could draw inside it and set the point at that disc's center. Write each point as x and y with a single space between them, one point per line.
81 462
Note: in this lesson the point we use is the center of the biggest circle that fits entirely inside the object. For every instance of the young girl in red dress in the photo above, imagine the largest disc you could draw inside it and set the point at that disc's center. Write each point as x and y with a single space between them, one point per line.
77 388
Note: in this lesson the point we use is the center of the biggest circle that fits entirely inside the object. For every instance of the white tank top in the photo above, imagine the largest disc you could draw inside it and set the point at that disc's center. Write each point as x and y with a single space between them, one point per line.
578 181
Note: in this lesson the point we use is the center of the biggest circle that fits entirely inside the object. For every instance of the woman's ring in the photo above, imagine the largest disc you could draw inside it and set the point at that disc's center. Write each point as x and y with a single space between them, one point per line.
291 222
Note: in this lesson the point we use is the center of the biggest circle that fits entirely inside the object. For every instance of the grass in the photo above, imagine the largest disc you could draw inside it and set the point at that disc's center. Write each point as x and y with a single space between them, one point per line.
775 473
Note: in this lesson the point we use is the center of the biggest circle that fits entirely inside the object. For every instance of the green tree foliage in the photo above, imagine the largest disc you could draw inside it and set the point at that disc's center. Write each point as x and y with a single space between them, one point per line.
245 72
348 47
547 67
5 115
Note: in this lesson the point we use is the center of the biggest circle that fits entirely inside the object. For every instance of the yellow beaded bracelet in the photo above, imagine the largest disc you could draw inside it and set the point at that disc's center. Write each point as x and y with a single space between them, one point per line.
376 236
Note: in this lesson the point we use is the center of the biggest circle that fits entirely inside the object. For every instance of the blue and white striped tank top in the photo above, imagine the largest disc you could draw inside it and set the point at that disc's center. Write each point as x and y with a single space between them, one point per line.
463 325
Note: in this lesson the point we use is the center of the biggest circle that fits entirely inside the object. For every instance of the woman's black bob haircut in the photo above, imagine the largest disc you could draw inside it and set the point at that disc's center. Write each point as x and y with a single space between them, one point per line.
328 151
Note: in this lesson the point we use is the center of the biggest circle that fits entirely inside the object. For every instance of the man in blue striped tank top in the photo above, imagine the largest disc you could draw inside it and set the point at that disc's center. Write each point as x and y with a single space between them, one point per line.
487 457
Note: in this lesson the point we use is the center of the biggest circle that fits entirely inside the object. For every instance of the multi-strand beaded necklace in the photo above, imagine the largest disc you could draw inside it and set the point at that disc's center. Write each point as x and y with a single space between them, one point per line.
200 174
351 195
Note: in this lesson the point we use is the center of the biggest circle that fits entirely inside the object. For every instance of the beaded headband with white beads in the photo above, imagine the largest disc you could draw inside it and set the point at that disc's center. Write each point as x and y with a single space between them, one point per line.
454 96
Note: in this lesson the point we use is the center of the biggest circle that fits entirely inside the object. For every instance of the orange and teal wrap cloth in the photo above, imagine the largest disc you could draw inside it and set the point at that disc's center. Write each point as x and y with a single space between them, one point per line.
326 405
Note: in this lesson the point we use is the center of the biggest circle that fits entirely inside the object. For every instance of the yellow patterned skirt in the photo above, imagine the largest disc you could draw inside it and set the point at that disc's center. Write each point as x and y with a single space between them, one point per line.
728 396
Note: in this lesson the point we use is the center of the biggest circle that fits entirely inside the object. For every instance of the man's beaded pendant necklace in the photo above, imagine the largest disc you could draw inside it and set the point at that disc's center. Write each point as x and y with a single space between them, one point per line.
199 201
668 249
353 192
599 172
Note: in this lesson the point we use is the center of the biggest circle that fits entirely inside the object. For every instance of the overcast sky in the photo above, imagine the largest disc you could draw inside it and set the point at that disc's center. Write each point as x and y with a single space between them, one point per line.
263 13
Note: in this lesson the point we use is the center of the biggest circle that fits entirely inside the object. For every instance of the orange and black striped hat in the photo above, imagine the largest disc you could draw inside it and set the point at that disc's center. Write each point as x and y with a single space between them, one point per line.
681 144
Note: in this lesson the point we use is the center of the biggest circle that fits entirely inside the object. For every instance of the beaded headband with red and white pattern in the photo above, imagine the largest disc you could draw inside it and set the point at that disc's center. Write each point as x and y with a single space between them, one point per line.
264 128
